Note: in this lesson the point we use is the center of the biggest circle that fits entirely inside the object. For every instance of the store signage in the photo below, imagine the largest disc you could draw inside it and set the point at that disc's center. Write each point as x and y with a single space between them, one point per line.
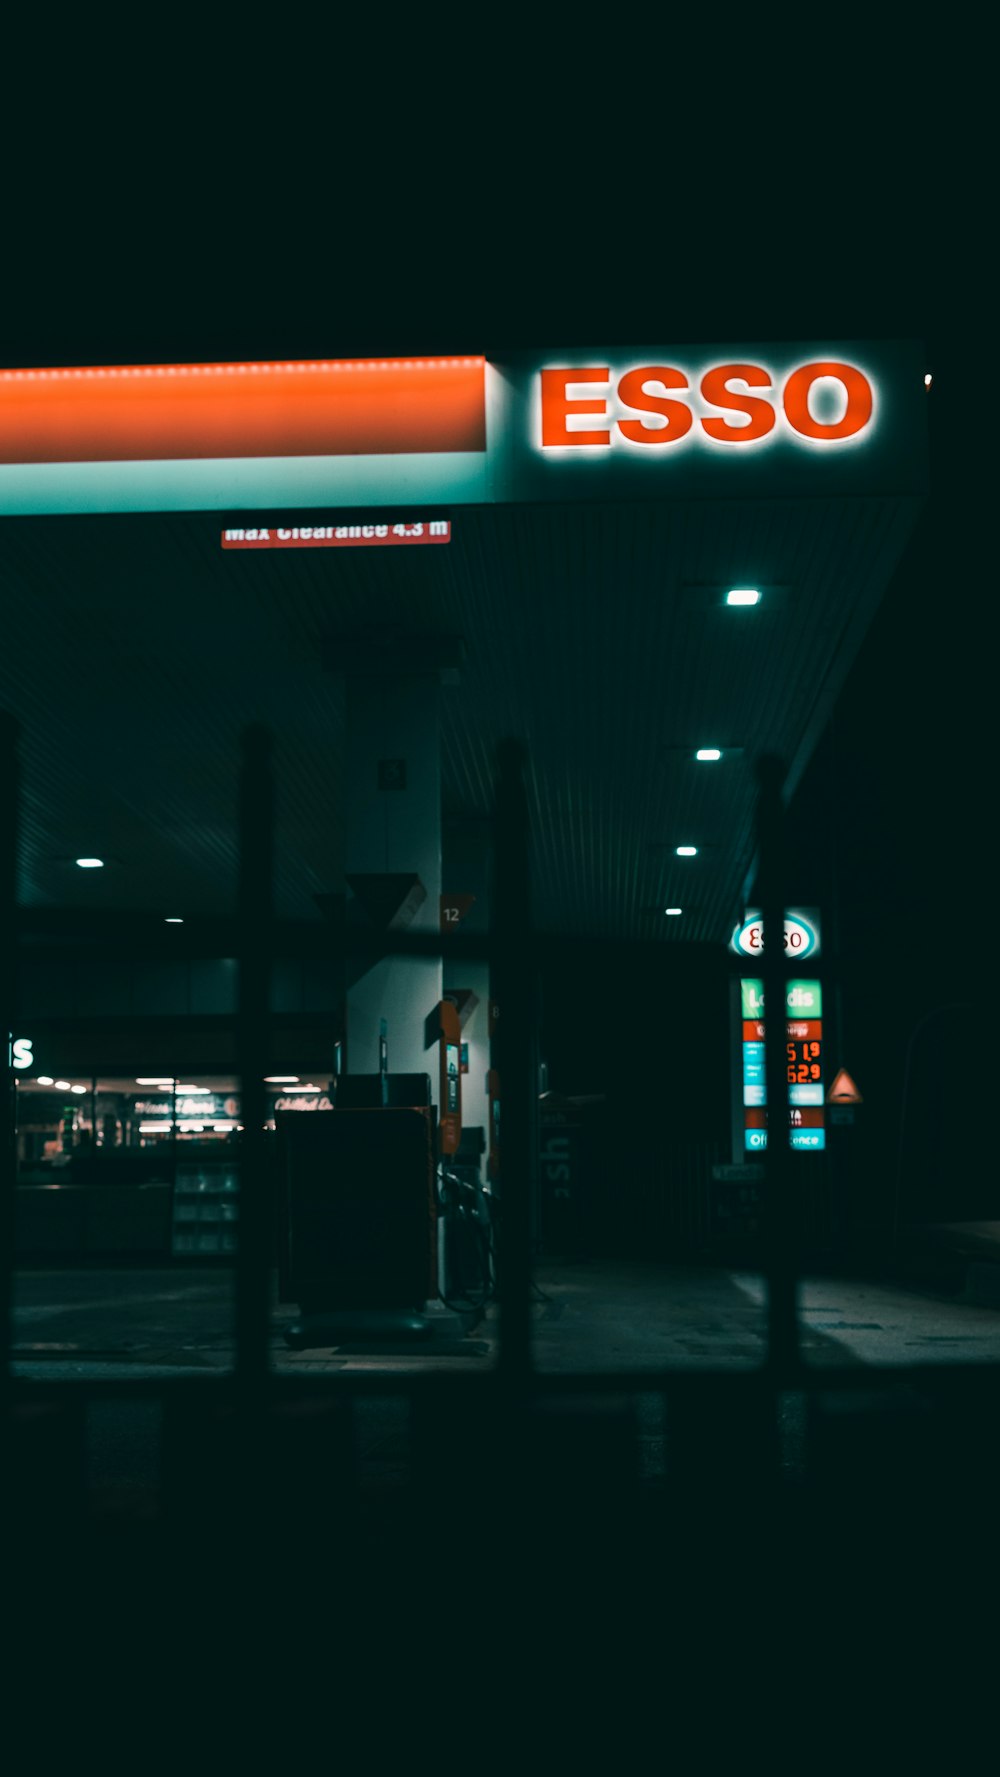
338 536
415 435
22 1052
803 999
801 935
656 405
814 1139
803 1059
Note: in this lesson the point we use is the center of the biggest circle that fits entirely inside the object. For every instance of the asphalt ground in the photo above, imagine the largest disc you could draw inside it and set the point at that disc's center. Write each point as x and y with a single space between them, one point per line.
714 1599
587 1316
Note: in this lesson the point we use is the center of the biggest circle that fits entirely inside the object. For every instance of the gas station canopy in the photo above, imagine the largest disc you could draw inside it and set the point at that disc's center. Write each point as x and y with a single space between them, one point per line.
164 584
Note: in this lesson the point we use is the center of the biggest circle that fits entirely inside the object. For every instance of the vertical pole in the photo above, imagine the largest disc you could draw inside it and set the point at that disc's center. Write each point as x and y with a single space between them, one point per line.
253 1261
8 963
514 991
779 1207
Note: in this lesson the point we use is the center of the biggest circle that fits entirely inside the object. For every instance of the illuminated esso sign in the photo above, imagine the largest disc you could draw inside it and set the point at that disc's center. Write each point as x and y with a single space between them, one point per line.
655 404
801 936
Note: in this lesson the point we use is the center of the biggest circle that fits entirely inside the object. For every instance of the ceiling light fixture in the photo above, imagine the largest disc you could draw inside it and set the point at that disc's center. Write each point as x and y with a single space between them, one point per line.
281 1079
708 753
687 851
173 919
61 1085
673 911
45 1080
90 863
78 1089
155 1080
743 595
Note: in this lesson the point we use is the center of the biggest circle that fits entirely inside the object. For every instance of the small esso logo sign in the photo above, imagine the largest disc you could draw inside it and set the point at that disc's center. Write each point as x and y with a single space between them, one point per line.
800 936
653 404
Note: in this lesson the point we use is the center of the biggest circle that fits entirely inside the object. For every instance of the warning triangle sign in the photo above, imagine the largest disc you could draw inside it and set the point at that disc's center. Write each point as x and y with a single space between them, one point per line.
843 1090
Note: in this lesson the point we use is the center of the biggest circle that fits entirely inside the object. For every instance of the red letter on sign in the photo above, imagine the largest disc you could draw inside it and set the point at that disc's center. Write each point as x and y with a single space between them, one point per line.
859 401
556 406
713 387
632 393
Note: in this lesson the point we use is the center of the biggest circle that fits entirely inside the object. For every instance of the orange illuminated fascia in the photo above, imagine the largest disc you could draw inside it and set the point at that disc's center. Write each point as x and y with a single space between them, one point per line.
177 412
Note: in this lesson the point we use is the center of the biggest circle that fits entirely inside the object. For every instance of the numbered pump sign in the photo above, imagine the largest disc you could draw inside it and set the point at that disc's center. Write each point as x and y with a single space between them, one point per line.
803 1036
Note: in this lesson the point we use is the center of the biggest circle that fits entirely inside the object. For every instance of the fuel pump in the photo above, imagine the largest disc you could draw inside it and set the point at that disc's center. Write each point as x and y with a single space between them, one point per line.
450 1098
465 1268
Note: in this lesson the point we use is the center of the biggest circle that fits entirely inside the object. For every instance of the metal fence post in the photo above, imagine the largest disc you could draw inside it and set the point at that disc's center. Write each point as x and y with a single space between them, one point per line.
8 966
514 991
256 940
779 1204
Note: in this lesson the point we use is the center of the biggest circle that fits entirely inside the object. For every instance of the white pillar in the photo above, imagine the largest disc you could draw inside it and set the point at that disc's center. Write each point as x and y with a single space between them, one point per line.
393 736
466 870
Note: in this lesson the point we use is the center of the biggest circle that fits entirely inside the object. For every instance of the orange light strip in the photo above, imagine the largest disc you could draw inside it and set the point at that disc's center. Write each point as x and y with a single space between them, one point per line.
176 412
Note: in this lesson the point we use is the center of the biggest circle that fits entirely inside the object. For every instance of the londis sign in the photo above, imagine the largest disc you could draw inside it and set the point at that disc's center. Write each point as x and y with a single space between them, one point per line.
654 406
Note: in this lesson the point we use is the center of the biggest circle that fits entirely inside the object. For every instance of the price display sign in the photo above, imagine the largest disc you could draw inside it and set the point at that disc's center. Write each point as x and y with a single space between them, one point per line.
803 1065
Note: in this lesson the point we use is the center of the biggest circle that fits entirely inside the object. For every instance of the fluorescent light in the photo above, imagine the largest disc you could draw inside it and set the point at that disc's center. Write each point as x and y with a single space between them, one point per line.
687 851
708 753
90 863
280 1079
156 1080
673 911
61 1085
743 595
194 1091
45 1080
173 919
308 1088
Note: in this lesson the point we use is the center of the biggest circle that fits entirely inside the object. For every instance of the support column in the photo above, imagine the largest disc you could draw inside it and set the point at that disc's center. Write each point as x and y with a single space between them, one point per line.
466 872
393 829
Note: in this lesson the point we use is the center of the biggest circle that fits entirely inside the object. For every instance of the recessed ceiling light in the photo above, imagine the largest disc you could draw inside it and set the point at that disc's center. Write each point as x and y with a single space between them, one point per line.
45 1080
61 1085
78 1088
281 1079
157 1080
708 753
90 863
743 595
173 919
687 851
673 911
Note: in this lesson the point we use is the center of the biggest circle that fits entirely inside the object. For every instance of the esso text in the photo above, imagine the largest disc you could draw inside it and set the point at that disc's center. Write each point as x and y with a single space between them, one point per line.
652 404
